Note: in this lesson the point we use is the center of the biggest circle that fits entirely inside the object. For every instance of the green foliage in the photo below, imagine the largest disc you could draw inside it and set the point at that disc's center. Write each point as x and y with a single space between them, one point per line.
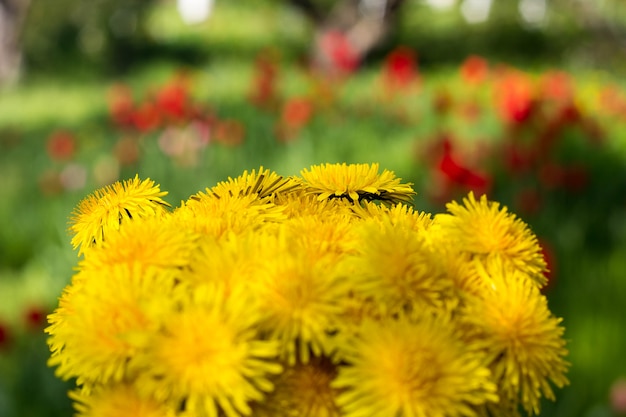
102 32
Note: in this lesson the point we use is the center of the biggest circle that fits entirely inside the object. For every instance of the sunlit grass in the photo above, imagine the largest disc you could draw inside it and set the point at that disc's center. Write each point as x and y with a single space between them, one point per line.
50 103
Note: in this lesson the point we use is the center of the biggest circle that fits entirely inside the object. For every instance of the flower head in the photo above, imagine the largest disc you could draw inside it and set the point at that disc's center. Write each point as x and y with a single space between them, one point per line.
355 182
299 204
511 321
155 241
118 400
108 208
215 215
264 184
103 319
400 69
207 358
474 70
300 295
514 95
61 146
302 390
395 265
490 233
397 367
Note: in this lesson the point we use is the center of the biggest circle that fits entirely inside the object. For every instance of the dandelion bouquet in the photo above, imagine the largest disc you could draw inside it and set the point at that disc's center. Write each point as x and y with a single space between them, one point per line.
321 295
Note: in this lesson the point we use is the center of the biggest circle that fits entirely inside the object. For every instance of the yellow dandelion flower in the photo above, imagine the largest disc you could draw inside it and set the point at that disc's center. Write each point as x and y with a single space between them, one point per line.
297 203
107 208
156 241
461 269
301 298
422 369
511 321
229 261
104 319
217 216
398 269
302 390
117 400
320 235
355 182
263 184
400 215
487 231
207 359
356 311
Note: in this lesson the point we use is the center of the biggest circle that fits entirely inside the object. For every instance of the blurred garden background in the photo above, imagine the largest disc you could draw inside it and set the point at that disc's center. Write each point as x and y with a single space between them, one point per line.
523 100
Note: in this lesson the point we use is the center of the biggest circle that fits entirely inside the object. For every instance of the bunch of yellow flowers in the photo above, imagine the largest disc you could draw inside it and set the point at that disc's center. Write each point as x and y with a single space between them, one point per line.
320 295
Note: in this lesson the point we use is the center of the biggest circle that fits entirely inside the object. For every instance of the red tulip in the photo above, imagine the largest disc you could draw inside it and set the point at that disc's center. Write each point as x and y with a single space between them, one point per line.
263 92
514 95
338 50
35 318
172 101
147 117
474 70
5 336
121 105
458 174
230 132
400 69
296 113
61 146
557 86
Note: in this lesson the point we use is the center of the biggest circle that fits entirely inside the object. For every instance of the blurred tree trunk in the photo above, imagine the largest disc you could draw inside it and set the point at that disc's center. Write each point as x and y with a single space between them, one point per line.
12 15
348 31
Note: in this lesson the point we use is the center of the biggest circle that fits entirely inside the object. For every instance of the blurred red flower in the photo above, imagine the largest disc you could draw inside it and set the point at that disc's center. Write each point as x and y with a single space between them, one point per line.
453 175
5 336
612 101
296 112
618 397
518 158
172 100
470 110
263 91
474 70
121 105
400 69
551 174
229 132
35 318
50 183
514 97
442 101
339 52
147 117
127 151
550 258
528 201
576 177
61 145
557 86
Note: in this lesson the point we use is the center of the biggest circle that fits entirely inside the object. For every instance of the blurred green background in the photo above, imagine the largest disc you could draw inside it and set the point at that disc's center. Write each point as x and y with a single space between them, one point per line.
524 100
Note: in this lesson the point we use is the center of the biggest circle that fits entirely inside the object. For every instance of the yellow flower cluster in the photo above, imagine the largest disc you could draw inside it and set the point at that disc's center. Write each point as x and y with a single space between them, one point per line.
323 295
